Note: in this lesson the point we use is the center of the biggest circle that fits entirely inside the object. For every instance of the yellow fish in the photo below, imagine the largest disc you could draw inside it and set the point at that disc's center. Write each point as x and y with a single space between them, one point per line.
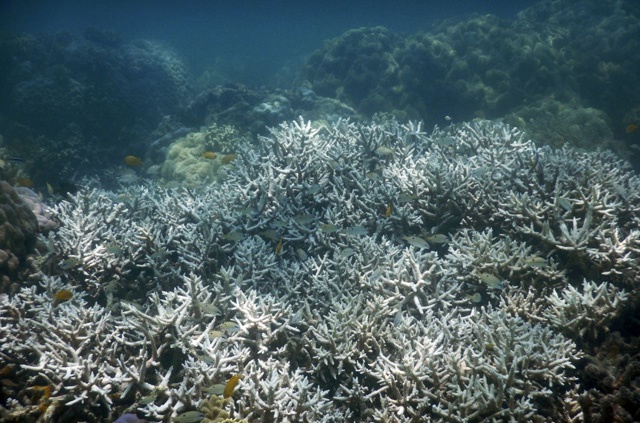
631 128
228 158
279 247
26 182
132 161
209 155
62 296
231 386
387 213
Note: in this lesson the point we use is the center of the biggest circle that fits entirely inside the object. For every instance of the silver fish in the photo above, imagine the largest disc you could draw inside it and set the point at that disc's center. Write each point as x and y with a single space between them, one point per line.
416 241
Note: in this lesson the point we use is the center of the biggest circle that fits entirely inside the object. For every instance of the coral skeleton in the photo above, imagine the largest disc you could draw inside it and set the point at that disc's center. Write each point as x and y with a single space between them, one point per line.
348 272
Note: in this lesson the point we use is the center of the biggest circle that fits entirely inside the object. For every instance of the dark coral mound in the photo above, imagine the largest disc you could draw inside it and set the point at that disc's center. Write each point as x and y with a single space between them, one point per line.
80 100
18 230
611 379
558 57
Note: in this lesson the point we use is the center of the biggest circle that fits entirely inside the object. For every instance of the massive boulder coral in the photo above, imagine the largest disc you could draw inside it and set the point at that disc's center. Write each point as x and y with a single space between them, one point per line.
73 103
18 229
579 60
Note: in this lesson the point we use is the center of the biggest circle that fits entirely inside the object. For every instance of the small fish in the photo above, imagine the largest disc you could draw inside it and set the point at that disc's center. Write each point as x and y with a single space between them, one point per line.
26 182
384 151
158 254
445 141
314 189
217 389
347 252
231 386
210 309
15 159
334 164
62 296
210 155
216 334
234 236
374 176
302 254
481 171
147 399
491 280
437 238
189 417
132 161
8 383
70 263
228 158
565 204
113 249
206 359
631 128
278 224
405 198
416 241
229 326
303 219
387 212
270 234
328 228
474 298
279 247
355 231
536 261
50 189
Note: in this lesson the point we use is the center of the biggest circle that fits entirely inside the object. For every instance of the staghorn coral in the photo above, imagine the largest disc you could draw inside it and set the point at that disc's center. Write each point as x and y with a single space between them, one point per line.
337 269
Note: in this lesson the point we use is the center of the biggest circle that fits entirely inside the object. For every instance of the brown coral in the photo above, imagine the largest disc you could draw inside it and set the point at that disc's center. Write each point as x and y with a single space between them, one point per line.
18 228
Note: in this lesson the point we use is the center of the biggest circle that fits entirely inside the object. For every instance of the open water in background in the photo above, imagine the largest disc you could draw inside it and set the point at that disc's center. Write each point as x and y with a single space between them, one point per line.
250 39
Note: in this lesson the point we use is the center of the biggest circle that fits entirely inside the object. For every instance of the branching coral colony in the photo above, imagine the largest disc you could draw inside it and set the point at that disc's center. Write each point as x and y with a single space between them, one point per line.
346 272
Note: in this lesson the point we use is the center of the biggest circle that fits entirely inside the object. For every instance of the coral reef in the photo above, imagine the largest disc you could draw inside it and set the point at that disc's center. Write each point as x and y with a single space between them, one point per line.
18 230
45 222
253 109
348 272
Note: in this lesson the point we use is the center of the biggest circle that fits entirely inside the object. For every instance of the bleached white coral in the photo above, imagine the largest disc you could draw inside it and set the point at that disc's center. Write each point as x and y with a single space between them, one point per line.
585 312
361 272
